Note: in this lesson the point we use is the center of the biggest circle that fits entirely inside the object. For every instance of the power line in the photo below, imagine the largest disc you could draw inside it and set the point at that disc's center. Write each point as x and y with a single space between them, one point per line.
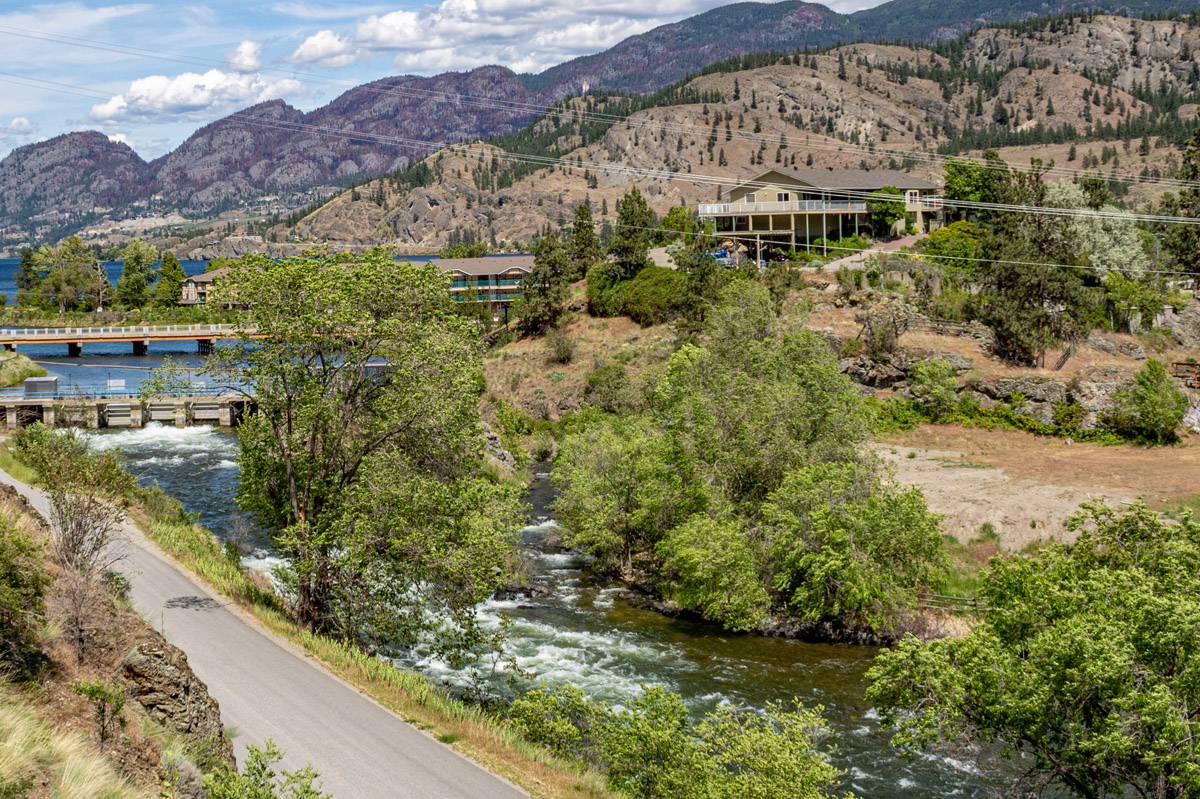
621 169
931 159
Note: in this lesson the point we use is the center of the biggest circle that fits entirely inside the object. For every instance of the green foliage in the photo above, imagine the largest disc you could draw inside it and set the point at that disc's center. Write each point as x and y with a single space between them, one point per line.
1085 660
258 779
369 483
845 545
652 297
585 248
74 277
545 290
885 210
1182 242
108 702
1152 409
686 489
169 289
651 751
630 240
137 273
934 385
460 249
23 582
900 414
608 387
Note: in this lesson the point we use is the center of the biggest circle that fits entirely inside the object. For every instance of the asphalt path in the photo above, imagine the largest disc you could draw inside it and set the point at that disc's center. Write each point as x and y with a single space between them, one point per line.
268 688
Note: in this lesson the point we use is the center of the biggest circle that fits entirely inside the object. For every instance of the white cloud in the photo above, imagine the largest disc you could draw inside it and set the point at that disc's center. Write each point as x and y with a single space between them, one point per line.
121 138
192 96
325 49
525 35
20 125
318 11
246 57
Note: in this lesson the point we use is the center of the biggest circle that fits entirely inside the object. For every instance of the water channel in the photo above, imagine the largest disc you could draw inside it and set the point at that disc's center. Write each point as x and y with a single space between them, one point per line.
582 633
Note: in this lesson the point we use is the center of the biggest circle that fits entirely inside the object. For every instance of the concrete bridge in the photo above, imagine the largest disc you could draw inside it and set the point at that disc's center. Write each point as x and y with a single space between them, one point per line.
100 410
139 336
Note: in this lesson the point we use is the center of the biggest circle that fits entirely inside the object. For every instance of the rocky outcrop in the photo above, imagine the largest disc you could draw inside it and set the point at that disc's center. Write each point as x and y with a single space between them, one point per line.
1183 323
156 675
494 448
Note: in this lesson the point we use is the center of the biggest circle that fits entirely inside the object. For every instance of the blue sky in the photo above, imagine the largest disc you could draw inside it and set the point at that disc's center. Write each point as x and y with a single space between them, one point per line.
150 73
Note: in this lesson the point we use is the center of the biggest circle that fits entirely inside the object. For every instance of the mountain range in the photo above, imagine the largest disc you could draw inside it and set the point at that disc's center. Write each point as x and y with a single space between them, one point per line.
54 187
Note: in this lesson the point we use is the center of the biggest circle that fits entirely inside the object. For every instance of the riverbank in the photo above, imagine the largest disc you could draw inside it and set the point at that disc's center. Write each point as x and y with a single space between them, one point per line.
16 367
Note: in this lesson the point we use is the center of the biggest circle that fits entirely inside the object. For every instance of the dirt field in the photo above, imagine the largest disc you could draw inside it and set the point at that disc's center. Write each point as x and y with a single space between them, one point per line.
1027 486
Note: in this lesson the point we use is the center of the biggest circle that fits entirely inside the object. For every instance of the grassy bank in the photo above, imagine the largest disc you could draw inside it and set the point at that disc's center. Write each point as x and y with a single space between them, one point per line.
15 367
484 738
38 760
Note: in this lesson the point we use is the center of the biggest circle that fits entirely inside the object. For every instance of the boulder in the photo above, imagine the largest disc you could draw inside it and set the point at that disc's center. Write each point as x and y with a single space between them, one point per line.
1101 344
156 675
493 447
1184 324
1035 389
1131 350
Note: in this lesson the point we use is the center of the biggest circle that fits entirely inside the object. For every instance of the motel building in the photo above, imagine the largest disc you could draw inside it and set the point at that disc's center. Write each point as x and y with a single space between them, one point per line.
791 208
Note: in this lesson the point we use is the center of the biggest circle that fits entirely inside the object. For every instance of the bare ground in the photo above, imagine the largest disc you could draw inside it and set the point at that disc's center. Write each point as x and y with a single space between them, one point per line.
1026 485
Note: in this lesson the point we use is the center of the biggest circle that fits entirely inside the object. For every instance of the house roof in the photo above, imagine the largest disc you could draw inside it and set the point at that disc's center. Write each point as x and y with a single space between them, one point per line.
848 179
495 265
208 277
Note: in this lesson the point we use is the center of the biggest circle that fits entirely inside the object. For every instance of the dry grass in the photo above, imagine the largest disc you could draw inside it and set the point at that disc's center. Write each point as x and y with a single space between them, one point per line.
53 763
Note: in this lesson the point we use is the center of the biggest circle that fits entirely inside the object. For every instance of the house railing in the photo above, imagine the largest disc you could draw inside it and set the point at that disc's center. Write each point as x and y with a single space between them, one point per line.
810 206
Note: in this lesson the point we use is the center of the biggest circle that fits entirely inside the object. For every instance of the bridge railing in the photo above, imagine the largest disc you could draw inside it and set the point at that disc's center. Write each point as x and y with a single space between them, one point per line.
17 395
115 331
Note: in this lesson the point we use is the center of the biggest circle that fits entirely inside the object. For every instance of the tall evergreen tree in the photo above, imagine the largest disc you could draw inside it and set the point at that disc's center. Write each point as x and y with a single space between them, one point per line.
1182 242
545 289
137 273
28 277
631 239
169 289
585 248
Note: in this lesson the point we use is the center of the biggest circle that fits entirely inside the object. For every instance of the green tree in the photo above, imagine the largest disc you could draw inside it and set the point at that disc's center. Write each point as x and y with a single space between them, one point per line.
934 386
137 273
333 443
28 277
108 702
1085 660
1152 409
1182 242
23 582
169 289
74 277
545 290
258 779
630 240
585 248
651 751
883 209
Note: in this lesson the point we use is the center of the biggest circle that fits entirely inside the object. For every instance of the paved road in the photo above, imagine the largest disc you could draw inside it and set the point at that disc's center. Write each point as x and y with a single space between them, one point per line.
267 688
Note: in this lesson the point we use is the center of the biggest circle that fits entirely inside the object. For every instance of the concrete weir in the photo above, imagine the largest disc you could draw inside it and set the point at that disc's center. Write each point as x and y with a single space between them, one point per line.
129 411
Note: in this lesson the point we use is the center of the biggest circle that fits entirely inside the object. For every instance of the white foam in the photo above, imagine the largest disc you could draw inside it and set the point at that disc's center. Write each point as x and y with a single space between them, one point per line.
906 783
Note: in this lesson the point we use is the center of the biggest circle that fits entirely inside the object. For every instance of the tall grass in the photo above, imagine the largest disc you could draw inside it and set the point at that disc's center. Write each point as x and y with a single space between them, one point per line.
31 748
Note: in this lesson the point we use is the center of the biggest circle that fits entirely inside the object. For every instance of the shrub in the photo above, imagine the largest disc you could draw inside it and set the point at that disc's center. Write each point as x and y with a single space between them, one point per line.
935 387
652 297
608 387
107 701
1152 409
23 582
562 346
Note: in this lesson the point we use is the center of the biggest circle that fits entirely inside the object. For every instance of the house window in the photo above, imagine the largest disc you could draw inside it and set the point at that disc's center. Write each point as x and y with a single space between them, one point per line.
750 198
783 197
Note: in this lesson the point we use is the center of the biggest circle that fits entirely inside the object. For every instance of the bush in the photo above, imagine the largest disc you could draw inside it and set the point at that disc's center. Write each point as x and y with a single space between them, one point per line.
608 387
259 781
107 702
562 346
935 388
652 297
1152 410
23 582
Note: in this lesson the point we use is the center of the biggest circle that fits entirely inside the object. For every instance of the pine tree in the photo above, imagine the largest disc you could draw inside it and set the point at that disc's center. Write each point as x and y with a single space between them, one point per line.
28 277
585 246
169 290
631 239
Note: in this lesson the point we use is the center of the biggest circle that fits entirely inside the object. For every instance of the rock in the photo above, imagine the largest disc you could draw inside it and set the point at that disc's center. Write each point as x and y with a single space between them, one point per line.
493 447
156 675
1101 344
1183 323
1034 389
1131 350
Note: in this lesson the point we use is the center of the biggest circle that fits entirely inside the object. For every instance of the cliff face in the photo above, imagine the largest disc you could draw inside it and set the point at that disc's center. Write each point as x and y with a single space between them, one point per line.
67 177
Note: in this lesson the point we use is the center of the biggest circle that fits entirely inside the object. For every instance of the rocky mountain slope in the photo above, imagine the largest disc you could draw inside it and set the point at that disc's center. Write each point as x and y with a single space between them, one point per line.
273 148
853 106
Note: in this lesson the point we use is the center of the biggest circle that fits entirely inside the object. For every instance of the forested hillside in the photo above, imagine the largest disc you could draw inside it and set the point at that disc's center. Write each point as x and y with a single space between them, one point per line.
1112 95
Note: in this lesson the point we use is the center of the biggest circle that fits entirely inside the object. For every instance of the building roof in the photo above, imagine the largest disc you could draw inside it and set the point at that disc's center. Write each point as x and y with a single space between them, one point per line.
849 179
494 265
208 277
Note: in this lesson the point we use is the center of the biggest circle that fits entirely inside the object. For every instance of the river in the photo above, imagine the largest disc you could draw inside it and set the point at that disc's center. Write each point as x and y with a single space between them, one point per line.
582 633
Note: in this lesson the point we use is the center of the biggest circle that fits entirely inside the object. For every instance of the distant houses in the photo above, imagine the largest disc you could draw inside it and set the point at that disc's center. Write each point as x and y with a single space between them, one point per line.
783 208
196 288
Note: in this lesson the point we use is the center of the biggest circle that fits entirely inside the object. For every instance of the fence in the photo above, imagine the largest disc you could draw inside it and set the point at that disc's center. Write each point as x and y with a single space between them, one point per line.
952 604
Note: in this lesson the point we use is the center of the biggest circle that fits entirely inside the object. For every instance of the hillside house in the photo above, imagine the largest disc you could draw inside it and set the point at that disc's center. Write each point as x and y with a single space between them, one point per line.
495 280
197 287
785 208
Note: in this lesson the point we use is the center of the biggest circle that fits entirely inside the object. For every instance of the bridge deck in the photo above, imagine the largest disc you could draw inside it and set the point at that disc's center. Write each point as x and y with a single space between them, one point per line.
13 336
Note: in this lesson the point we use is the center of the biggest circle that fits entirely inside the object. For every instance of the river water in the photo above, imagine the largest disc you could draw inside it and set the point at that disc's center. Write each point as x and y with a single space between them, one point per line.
582 633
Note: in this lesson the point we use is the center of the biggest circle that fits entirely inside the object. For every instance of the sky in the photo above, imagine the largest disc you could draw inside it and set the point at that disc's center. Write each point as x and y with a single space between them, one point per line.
151 73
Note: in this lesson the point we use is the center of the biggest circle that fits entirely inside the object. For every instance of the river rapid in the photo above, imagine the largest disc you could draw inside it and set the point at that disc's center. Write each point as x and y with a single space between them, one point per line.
581 632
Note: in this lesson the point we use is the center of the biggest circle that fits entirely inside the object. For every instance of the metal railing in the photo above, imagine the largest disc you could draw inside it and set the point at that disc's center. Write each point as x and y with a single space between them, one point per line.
808 206
150 331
